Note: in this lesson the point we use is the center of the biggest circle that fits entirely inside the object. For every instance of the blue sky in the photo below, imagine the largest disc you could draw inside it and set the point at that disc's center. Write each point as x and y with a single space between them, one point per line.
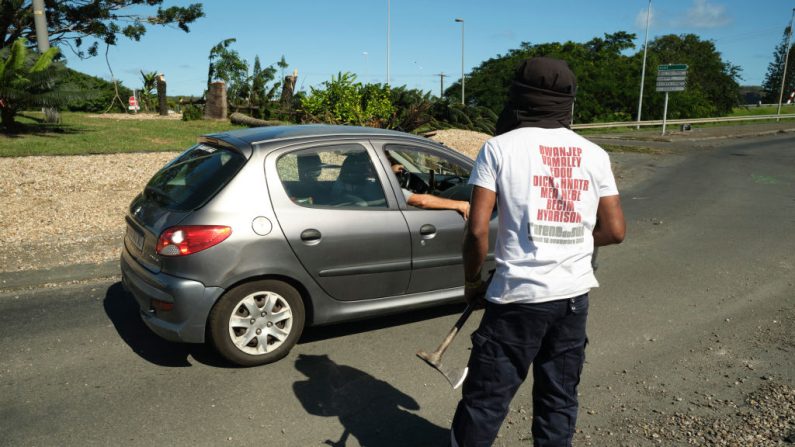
320 38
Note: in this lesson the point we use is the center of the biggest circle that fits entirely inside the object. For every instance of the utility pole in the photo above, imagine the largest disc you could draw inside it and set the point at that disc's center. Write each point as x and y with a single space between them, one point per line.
463 76
51 114
784 74
40 24
441 83
643 70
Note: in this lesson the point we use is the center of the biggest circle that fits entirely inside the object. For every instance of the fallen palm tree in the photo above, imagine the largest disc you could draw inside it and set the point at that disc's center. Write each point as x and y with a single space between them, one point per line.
245 120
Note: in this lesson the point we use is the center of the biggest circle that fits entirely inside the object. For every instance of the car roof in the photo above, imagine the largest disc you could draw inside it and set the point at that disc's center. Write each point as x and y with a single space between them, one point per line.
256 135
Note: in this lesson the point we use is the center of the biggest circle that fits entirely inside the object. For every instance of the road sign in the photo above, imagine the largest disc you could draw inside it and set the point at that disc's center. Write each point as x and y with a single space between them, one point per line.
678 88
669 67
671 72
671 77
667 83
133 103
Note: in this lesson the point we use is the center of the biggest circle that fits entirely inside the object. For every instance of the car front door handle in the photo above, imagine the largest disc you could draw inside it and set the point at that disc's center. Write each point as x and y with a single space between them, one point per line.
427 231
310 235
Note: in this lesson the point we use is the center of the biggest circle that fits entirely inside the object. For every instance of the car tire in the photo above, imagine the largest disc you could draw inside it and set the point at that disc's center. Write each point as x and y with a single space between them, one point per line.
257 322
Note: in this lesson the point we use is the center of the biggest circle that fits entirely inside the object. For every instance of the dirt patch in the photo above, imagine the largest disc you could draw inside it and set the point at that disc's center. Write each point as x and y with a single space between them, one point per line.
161 141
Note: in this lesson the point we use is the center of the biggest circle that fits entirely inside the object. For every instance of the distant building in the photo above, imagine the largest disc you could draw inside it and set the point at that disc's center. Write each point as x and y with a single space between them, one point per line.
751 94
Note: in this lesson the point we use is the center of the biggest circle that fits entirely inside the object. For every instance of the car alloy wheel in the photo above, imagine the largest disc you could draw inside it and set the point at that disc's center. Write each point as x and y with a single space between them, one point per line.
257 322
261 323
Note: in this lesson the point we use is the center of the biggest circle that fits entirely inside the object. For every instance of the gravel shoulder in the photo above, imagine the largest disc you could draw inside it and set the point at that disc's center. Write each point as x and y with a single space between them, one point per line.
68 210
65 210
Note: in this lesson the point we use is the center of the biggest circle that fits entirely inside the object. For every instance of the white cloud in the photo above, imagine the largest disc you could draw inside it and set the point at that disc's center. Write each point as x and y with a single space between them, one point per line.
640 19
704 14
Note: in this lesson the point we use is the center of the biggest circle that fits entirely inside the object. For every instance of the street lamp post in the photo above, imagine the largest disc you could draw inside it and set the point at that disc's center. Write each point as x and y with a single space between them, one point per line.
784 73
40 25
388 25
643 70
463 78
366 67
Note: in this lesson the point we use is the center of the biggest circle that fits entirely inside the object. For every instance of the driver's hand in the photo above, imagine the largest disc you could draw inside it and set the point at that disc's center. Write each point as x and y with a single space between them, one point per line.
463 209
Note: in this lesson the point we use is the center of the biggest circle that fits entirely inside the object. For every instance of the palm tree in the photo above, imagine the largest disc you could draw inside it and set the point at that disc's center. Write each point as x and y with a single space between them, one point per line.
150 83
27 80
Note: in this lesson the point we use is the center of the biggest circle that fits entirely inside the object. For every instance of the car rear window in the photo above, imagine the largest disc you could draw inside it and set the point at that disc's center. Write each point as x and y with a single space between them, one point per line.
193 178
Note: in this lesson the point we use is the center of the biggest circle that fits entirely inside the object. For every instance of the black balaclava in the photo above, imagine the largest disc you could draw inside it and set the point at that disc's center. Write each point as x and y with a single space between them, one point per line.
541 95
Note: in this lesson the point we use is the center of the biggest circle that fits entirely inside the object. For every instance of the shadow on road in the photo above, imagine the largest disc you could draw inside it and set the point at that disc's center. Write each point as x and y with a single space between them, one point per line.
123 311
369 409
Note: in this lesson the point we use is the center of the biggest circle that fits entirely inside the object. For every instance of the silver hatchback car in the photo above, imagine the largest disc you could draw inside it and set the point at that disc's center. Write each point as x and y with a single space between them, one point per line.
250 235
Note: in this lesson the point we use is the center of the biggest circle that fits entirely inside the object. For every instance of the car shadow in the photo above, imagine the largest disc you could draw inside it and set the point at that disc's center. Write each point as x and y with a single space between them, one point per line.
123 312
370 410
312 334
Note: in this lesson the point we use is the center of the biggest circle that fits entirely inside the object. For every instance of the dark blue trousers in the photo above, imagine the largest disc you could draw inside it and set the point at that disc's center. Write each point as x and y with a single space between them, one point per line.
549 336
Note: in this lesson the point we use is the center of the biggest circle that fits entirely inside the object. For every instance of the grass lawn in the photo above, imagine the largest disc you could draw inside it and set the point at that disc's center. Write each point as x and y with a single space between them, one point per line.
80 133
764 110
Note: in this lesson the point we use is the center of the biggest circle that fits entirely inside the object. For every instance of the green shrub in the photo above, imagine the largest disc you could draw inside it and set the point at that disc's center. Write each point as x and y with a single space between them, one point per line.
192 112
96 94
345 101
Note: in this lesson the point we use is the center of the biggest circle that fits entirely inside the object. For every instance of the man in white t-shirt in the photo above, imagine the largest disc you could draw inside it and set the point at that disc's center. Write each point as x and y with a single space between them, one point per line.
557 199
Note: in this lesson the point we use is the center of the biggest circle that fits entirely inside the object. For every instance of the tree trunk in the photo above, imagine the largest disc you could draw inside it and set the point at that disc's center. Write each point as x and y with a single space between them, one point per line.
239 118
288 88
162 101
7 119
216 106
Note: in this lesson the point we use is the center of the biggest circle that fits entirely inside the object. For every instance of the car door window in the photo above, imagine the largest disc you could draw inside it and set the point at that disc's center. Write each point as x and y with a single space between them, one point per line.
422 171
331 176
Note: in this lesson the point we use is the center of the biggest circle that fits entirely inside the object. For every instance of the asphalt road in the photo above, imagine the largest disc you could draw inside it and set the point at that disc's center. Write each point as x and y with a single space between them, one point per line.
709 252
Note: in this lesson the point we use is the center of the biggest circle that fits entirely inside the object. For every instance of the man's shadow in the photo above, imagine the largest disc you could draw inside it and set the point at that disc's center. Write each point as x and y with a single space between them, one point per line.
369 409
123 312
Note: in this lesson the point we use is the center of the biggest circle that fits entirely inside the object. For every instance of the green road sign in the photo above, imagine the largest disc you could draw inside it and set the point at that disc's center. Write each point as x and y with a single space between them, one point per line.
667 67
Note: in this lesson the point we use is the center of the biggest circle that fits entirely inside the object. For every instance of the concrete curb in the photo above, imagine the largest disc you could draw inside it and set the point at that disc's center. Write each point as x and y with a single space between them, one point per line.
68 273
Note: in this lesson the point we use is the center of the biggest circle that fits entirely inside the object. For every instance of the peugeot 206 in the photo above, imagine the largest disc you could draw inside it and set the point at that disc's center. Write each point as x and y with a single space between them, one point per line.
251 235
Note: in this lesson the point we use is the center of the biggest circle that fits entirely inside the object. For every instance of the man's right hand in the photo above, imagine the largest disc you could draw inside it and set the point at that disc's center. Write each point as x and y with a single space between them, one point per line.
475 293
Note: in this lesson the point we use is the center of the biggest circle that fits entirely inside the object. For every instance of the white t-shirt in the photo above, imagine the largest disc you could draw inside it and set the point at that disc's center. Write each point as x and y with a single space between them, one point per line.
548 184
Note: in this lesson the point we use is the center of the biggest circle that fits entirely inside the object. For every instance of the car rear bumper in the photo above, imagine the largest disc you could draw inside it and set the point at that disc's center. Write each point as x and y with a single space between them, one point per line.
191 301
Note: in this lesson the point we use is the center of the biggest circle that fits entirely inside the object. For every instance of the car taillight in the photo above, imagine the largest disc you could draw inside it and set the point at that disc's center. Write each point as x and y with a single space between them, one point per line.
189 239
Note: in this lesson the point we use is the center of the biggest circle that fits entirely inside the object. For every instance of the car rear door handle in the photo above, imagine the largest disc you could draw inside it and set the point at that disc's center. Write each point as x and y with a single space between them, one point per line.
427 231
310 235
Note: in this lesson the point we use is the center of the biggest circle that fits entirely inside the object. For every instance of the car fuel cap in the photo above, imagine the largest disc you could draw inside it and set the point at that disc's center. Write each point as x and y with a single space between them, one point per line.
262 226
